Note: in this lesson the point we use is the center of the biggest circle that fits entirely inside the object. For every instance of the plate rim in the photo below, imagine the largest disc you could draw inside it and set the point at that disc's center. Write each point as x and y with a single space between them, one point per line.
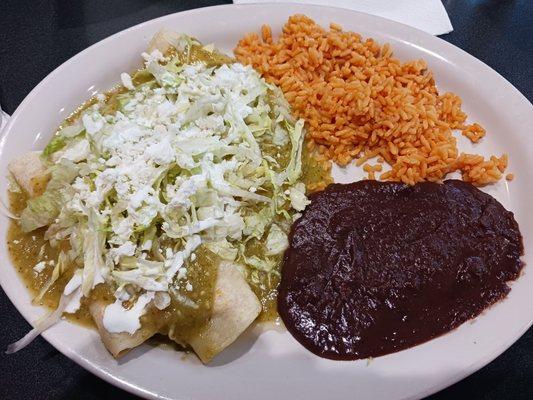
131 387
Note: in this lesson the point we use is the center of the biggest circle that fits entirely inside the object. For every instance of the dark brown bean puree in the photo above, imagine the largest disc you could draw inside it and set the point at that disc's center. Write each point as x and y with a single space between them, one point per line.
377 267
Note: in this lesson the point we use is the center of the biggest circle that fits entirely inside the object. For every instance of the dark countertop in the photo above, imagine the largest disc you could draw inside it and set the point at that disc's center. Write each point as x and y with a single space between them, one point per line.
37 36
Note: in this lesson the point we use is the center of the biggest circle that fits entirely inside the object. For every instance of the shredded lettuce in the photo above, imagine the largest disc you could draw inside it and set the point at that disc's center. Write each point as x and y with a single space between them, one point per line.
43 210
223 249
40 211
71 131
276 241
56 144
262 264
62 174
93 249
194 155
296 134
77 150
48 320
62 138
149 275
298 198
60 267
256 223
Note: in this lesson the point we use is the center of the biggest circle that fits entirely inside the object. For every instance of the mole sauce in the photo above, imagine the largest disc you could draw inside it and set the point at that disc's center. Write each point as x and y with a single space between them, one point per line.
376 267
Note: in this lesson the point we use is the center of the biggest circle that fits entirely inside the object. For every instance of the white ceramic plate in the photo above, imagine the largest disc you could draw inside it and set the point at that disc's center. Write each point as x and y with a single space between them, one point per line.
274 365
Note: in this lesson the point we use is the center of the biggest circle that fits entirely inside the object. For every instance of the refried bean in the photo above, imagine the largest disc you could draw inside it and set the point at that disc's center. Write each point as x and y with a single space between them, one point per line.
376 267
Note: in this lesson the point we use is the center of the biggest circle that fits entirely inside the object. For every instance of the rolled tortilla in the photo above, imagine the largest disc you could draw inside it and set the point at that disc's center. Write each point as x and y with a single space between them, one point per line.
30 173
119 344
235 307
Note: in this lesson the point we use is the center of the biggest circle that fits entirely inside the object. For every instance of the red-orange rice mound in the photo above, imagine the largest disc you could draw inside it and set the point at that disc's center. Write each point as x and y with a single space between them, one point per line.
360 102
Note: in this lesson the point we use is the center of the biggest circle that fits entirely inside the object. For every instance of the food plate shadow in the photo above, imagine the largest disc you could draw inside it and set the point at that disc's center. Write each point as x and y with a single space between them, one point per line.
342 380
237 349
134 353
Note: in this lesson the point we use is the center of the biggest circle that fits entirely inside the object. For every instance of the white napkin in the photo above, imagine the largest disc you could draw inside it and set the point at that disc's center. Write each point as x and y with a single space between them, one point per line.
426 15
3 120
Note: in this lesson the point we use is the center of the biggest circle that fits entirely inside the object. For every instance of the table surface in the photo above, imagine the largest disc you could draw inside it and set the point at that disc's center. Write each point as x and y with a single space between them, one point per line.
37 36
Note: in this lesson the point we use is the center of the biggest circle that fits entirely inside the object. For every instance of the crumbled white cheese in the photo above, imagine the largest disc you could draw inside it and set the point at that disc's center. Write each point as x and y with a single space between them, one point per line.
39 267
168 253
78 152
195 121
93 123
153 56
161 300
125 249
41 252
126 81
182 273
